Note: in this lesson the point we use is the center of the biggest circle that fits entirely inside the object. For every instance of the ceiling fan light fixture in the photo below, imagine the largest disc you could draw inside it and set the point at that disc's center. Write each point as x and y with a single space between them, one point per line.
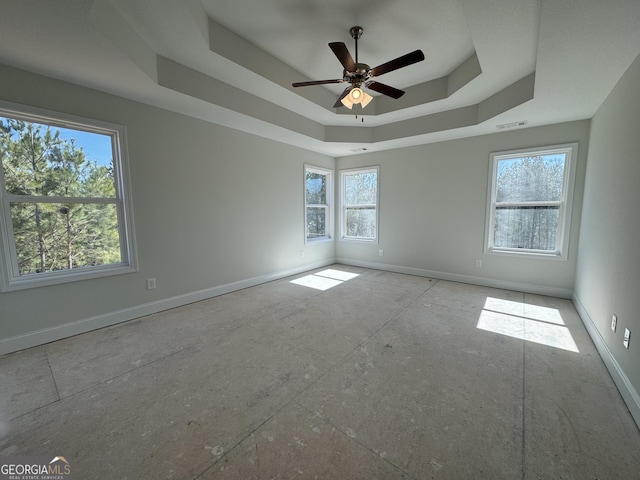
355 96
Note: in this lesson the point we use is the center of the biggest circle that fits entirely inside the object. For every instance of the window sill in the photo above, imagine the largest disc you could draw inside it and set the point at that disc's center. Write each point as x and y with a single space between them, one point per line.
373 241
526 253
309 241
54 278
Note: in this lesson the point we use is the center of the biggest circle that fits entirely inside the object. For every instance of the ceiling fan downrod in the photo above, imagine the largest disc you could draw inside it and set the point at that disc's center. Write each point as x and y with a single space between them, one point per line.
356 33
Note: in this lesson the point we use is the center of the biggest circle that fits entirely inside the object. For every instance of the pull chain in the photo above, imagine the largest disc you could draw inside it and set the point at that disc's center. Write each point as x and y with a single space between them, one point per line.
361 117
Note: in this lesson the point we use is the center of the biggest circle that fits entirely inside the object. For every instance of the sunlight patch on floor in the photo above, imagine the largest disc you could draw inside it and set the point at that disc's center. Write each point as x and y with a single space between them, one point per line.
325 279
532 323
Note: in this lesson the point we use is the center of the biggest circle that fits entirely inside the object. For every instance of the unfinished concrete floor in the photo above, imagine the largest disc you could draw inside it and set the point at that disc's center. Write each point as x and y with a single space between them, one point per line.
383 376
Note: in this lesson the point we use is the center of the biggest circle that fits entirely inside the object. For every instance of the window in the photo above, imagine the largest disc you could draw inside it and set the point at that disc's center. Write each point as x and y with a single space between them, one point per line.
530 203
318 195
64 210
359 202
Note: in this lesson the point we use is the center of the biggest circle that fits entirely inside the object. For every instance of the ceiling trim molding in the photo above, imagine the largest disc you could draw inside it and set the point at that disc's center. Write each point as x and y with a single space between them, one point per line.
193 83
199 84
182 79
240 51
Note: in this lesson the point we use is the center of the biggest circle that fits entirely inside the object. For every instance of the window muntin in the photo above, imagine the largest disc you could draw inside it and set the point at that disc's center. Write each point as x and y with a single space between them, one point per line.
359 202
64 210
530 202
318 194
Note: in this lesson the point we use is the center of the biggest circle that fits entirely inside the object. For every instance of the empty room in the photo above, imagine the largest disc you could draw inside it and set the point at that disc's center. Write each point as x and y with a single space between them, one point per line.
336 240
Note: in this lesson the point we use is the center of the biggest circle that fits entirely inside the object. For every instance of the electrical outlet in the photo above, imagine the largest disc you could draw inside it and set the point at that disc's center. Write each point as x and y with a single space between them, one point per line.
478 263
627 337
614 323
380 252
151 283
302 253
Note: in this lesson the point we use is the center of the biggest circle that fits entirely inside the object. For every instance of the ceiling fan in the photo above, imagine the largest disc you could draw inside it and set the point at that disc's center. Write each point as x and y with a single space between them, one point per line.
360 74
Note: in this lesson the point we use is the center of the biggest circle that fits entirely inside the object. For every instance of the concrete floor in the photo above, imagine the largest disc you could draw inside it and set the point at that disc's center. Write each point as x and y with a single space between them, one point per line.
383 376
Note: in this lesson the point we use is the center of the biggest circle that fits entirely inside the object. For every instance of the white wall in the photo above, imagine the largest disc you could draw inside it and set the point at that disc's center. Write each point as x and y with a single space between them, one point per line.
608 270
212 206
432 212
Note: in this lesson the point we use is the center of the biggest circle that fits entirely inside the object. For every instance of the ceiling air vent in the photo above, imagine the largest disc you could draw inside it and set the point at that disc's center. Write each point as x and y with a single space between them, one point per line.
504 126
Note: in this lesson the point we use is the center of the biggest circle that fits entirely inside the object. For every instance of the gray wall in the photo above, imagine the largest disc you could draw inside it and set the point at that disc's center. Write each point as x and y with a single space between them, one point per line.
608 270
212 206
432 214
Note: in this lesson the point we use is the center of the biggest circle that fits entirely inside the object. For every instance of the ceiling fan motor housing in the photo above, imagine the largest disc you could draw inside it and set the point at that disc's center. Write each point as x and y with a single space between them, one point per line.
359 75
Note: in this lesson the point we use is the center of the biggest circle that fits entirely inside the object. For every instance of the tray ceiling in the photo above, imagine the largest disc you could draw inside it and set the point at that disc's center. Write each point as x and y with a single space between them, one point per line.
488 62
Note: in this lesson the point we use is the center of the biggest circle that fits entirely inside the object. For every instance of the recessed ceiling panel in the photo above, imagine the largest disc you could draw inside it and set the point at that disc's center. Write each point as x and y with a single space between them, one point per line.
298 33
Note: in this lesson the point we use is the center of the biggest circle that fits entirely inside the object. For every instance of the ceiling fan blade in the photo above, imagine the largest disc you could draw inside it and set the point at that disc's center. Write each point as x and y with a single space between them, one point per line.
342 95
385 89
341 51
317 82
403 61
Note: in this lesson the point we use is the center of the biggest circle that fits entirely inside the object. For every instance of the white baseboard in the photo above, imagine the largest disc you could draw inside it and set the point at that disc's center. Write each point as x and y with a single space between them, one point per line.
628 392
46 335
40 337
454 277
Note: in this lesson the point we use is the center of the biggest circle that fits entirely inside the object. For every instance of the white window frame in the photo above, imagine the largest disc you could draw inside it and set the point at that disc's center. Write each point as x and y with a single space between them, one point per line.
10 278
328 206
564 205
344 207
